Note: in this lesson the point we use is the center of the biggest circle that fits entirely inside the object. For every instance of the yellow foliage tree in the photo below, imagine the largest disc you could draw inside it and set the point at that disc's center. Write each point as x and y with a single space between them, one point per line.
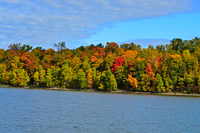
1 54
129 56
4 75
36 77
133 81
75 63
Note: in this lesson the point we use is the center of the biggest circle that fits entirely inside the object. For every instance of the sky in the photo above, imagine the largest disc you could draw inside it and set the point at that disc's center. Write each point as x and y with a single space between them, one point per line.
84 22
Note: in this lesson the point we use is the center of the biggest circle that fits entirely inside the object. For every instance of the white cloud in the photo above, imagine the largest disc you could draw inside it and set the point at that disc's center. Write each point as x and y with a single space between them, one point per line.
50 21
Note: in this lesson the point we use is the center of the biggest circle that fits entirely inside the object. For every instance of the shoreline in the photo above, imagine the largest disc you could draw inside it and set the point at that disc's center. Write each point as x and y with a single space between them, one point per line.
116 92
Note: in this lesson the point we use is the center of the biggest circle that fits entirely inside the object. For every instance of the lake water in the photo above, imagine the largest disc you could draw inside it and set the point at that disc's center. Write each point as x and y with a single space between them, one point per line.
50 111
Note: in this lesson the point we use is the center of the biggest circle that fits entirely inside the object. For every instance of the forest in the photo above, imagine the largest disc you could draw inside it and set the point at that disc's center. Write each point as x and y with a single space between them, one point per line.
171 67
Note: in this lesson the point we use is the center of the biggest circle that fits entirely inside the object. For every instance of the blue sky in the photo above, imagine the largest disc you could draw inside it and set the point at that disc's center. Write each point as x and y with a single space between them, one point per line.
83 22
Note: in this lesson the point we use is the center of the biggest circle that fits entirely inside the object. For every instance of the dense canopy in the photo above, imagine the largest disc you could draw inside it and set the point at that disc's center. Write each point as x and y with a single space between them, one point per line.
166 68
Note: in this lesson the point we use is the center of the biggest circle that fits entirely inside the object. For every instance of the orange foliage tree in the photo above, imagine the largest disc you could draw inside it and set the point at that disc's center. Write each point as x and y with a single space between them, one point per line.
89 79
111 47
132 81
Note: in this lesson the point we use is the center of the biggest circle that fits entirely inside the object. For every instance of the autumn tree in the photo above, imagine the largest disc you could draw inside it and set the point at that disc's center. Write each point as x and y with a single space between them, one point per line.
101 80
67 73
83 56
75 63
31 65
4 74
109 60
39 76
14 63
19 77
56 76
1 54
129 56
118 62
132 81
145 83
111 47
89 79
150 71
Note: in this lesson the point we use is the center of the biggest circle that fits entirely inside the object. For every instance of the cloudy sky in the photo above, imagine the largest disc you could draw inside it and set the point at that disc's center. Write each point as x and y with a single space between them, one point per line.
83 22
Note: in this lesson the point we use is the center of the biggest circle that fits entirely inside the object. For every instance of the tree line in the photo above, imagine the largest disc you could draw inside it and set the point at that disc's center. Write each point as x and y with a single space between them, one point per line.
172 67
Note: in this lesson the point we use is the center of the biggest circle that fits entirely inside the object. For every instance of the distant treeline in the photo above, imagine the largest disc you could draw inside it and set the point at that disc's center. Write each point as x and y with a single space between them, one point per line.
171 67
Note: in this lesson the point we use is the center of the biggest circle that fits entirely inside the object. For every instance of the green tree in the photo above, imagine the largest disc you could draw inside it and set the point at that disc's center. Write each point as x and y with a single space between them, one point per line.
168 83
189 80
160 85
49 78
67 73
107 75
81 79
121 76
113 82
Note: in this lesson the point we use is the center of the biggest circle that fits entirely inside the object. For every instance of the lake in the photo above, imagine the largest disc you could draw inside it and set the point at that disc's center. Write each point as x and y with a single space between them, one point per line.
51 111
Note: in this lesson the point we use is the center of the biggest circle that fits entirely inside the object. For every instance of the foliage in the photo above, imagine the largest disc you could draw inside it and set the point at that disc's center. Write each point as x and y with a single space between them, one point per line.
160 86
163 68
81 79
89 79
132 81
118 62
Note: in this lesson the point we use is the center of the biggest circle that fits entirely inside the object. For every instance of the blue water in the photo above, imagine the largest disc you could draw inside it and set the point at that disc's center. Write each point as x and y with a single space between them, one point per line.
50 111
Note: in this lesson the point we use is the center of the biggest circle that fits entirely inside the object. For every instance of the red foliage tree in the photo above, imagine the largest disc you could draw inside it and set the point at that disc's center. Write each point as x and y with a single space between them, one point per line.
83 56
25 57
159 59
101 52
15 53
93 48
48 63
118 62
31 65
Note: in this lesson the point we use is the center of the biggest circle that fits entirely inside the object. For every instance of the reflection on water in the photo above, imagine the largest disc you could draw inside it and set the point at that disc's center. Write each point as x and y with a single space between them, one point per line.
25 110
